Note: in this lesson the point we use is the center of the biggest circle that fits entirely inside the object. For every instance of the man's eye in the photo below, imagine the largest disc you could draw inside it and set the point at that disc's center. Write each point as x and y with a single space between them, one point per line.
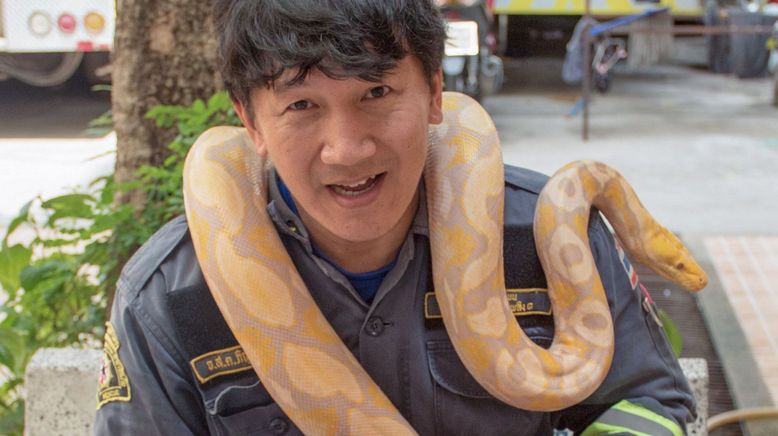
300 105
378 91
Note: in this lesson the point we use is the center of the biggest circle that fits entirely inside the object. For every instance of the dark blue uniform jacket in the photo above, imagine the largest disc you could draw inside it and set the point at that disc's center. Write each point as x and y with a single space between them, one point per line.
172 367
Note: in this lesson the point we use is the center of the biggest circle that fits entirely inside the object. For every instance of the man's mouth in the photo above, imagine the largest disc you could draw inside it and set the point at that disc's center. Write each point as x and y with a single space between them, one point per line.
358 187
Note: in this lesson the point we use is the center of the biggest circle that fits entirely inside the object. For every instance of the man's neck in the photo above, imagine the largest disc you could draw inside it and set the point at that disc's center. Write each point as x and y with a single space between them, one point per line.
362 256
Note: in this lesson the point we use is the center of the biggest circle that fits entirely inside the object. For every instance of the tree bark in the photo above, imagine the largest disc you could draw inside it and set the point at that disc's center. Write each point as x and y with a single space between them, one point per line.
164 53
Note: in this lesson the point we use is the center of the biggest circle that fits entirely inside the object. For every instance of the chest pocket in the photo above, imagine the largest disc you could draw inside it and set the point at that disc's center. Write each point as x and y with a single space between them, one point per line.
463 407
246 408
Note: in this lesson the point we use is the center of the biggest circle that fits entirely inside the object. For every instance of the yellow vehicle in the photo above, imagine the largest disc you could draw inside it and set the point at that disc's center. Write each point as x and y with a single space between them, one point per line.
609 8
543 27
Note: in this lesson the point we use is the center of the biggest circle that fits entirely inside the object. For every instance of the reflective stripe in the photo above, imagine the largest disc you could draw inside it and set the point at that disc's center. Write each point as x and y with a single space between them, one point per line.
648 414
628 417
607 429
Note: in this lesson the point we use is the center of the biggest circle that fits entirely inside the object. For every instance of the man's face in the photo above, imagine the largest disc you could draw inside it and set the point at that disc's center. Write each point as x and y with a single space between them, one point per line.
350 151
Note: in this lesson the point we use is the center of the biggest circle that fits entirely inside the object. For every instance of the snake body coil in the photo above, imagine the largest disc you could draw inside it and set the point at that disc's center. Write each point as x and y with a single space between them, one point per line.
298 356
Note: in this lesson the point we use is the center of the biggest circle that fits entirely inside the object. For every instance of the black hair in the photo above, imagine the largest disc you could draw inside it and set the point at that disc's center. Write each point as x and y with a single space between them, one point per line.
261 39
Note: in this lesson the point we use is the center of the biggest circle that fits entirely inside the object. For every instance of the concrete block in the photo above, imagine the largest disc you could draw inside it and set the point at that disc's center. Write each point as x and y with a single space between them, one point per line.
61 386
696 372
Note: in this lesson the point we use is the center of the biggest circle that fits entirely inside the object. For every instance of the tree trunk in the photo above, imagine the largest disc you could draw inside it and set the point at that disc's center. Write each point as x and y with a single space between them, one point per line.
164 53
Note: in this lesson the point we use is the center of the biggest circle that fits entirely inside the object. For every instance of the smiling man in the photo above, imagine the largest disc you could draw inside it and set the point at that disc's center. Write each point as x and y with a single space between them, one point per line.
339 95
351 151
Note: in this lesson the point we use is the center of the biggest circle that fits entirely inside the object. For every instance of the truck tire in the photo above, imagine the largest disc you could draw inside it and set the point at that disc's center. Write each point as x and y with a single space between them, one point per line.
96 68
718 45
749 50
41 69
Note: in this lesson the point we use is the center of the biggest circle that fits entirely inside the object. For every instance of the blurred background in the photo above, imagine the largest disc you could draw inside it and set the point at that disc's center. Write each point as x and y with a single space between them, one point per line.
678 95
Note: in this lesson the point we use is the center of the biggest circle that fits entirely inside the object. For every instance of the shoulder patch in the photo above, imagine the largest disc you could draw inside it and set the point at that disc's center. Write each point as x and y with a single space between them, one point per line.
523 302
113 382
220 362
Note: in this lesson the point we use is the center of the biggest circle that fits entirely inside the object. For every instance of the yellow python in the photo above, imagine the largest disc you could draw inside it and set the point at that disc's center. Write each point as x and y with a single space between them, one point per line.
298 356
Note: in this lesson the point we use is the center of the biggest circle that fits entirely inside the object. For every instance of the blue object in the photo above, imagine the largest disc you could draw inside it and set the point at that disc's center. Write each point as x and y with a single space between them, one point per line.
367 283
598 29
286 195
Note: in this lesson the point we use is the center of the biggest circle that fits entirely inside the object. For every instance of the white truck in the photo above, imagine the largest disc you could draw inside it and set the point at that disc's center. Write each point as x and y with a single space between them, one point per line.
43 42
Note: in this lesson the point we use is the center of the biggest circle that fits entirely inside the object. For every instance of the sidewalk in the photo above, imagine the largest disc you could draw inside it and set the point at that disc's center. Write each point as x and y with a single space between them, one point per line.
47 167
701 150
747 265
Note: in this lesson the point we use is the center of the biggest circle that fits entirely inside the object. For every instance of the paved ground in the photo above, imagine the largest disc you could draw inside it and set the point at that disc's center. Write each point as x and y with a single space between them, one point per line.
43 146
700 149
702 152
748 268
33 167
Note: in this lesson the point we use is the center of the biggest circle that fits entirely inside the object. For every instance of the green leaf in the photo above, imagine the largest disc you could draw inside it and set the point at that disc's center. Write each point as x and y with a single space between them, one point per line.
12 261
22 217
13 350
43 274
199 106
672 332
12 419
220 101
69 206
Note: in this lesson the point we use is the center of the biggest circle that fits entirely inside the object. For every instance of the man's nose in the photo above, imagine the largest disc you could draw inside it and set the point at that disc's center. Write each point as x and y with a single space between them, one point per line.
348 139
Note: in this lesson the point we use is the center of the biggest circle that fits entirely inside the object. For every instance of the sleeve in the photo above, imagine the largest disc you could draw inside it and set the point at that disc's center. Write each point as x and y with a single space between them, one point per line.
144 385
645 391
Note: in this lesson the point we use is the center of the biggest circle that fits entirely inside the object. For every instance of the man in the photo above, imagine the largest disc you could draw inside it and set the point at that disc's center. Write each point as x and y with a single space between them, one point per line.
339 95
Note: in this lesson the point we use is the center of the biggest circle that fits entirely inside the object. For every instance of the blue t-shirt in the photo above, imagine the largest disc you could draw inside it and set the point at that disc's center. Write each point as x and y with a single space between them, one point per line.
366 283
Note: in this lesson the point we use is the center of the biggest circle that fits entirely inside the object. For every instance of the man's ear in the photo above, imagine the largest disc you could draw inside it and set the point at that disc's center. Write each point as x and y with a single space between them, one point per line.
436 98
251 127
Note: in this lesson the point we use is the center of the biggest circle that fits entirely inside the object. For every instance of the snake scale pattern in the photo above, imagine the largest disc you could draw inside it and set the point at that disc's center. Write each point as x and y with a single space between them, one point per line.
312 375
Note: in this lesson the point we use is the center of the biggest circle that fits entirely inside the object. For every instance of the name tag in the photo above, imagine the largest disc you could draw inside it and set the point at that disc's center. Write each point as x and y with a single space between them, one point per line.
523 302
220 362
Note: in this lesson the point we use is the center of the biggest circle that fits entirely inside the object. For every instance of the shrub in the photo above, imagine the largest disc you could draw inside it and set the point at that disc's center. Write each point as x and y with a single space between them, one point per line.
59 279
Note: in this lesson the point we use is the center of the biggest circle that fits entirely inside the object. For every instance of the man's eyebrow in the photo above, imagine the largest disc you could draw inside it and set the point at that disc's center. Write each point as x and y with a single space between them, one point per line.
286 85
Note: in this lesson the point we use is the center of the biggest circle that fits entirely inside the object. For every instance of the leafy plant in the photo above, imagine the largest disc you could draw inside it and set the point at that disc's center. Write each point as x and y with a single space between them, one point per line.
58 275
672 332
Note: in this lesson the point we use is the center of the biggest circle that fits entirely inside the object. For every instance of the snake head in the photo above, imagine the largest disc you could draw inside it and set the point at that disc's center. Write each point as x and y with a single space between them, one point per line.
673 261
692 276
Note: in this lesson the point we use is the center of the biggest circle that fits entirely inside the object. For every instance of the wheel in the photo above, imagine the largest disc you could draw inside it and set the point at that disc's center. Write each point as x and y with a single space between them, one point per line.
96 68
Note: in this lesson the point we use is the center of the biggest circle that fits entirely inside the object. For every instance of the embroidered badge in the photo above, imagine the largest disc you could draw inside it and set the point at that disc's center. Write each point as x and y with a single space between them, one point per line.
628 268
113 382
523 302
220 362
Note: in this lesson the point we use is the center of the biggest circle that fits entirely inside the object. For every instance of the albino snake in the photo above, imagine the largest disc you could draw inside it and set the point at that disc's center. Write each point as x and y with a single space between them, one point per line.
298 356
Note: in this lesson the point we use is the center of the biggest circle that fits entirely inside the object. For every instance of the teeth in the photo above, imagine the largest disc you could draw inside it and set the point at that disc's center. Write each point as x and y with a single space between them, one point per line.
356 188
358 184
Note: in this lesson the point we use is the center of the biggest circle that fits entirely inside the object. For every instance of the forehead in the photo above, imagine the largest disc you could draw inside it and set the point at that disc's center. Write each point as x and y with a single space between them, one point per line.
409 67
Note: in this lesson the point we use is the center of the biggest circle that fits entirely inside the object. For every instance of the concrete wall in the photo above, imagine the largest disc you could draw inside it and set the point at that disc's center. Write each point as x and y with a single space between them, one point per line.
61 385
61 389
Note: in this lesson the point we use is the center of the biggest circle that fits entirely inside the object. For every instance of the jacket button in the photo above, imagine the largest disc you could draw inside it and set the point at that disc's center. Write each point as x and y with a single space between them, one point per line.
279 426
375 326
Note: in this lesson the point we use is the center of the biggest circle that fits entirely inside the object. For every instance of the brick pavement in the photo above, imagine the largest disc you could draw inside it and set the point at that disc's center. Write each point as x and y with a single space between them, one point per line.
748 269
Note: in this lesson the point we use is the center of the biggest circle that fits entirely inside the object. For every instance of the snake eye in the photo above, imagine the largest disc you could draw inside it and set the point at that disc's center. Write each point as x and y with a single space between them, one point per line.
680 266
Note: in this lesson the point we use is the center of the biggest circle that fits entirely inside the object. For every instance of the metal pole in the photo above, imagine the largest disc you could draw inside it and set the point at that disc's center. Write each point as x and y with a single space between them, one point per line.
587 66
